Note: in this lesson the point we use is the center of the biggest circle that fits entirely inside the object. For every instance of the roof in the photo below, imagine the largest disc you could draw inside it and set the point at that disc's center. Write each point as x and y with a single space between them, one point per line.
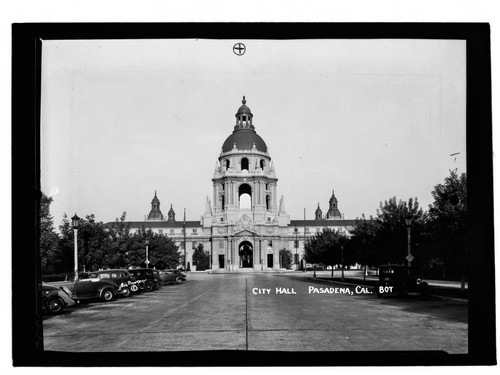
323 223
158 224
244 140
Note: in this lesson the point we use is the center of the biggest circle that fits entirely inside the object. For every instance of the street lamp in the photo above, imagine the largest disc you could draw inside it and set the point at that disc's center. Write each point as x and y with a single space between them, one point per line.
76 223
409 221
342 260
147 255
296 246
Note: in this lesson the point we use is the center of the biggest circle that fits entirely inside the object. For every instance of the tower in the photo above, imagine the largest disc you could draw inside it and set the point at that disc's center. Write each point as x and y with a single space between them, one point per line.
171 214
244 180
247 222
155 213
318 214
333 210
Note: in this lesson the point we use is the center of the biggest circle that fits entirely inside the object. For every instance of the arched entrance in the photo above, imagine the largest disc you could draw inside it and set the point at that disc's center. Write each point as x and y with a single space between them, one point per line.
246 254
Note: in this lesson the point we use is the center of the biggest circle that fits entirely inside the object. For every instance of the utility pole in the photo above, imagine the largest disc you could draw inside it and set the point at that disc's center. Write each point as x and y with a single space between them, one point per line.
184 230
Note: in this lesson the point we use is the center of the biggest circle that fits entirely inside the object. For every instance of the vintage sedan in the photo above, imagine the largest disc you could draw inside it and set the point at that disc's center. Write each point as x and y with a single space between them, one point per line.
55 299
148 279
120 277
94 288
172 276
399 279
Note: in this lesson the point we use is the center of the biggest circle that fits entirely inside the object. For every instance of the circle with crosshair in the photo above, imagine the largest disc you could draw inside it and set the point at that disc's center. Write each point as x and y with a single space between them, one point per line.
239 49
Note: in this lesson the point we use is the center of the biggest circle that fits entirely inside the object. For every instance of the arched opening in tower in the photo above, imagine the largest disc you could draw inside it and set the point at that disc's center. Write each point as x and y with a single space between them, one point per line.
227 164
244 164
268 202
262 164
245 197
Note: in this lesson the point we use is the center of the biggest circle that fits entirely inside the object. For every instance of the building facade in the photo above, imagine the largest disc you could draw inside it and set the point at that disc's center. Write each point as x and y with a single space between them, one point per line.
245 224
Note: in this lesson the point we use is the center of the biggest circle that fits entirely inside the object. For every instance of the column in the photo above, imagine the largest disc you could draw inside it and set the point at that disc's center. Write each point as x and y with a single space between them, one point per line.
276 254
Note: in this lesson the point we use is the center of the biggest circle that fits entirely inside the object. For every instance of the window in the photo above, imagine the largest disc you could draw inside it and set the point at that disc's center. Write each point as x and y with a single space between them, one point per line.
194 245
262 164
307 230
270 244
160 231
318 230
195 231
244 164
296 258
221 219
104 276
227 167
221 244
171 231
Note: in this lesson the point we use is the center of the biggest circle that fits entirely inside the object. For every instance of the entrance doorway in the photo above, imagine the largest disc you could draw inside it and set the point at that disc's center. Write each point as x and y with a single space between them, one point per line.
269 260
246 255
221 261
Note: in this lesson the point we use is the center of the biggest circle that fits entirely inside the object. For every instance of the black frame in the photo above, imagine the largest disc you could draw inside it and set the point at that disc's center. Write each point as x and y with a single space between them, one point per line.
26 60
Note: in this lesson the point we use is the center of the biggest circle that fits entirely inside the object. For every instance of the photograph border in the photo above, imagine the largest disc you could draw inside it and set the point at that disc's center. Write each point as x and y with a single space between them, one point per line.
27 327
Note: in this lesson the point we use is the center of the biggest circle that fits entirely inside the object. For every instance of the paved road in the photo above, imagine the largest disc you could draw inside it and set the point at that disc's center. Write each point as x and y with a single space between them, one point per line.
221 311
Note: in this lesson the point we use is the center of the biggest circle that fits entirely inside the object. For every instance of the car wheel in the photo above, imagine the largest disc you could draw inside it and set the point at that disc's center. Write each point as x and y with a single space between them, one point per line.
134 288
125 292
107 295
55 306
148 287
179 280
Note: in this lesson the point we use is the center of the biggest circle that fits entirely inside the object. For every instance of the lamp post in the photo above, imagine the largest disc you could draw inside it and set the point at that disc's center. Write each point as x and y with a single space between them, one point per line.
147 254
296 247
342 260
409 221
76 223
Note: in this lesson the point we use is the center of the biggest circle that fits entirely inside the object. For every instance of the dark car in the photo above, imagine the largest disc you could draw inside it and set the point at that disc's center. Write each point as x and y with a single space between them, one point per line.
120 277
172 276
55 299
399 279
148 278
94 288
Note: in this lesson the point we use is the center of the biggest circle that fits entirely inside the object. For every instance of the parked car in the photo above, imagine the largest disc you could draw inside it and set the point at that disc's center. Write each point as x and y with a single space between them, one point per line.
399 279
55 299
120 277
172 276
148 278
103 289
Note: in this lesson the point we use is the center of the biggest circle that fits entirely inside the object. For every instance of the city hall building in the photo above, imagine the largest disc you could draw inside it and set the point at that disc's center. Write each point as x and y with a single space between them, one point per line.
245 224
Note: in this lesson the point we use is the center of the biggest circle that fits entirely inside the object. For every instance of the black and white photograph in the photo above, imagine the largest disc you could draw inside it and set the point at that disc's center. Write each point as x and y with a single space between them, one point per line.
255 195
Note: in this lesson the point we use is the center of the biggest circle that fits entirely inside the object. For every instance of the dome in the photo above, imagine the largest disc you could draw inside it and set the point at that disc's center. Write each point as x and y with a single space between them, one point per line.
244 135
244 140
244 110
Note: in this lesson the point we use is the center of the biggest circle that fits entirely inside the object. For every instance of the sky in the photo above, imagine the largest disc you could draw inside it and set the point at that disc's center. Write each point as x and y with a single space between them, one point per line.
369 119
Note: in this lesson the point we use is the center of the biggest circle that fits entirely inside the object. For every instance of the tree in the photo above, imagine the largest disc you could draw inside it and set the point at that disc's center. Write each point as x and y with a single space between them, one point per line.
390 235
325 248
162 251
49 247
447 223
286 259
362 243
201 258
